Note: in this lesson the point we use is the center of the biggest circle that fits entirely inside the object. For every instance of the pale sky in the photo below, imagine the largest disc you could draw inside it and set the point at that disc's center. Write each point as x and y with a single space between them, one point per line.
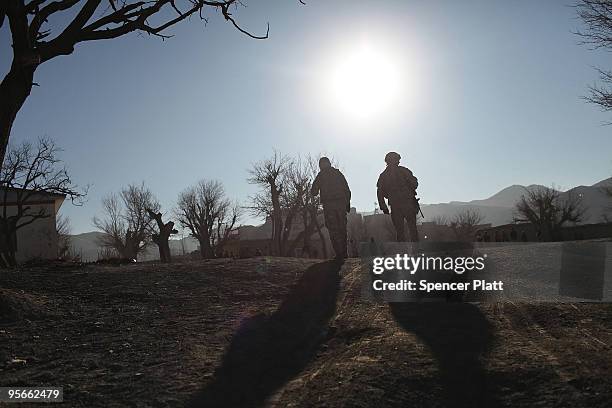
474 95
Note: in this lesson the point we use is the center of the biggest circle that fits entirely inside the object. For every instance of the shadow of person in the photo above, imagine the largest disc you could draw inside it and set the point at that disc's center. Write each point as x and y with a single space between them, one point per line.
459 336
267 351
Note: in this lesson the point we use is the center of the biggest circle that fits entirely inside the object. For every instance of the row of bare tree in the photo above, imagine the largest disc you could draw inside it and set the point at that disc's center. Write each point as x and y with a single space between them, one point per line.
544 207
464 224
132 219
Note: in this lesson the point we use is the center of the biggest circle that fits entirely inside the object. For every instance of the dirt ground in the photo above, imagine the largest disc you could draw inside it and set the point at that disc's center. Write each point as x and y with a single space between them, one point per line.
288 332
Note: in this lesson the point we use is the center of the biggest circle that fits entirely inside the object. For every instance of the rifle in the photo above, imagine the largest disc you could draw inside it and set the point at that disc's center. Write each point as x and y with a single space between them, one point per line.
419 206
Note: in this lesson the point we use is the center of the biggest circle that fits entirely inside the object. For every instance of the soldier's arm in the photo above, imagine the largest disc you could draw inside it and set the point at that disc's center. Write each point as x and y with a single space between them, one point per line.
415 181
380 193
347 190
381 201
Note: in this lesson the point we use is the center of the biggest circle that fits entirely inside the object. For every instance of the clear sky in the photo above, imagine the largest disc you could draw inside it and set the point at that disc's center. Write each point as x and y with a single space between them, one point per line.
476 96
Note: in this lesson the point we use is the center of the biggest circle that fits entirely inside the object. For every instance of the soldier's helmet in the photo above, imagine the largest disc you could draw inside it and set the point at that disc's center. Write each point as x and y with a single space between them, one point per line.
392 158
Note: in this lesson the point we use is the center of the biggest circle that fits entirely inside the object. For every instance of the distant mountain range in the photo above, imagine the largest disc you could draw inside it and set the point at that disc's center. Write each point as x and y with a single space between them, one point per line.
497 210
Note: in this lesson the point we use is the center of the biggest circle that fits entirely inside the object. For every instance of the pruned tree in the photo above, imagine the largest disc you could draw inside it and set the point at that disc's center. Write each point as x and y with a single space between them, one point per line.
286 199
162 235
126 223
30 172
209 215
35 40
63 230
271 176
597 18
548 211
465 224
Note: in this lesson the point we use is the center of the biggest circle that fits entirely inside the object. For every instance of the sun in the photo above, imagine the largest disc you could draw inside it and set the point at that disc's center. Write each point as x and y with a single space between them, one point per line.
364 83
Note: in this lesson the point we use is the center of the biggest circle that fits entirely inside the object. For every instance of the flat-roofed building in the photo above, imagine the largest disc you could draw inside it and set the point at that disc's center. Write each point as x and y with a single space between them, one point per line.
38 239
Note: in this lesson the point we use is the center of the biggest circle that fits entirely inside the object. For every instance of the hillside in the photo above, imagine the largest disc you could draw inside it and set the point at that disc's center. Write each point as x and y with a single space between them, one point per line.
289 332
499 208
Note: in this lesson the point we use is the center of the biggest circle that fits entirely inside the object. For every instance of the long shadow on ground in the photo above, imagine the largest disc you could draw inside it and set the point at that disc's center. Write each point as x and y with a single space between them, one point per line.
266 352
459 337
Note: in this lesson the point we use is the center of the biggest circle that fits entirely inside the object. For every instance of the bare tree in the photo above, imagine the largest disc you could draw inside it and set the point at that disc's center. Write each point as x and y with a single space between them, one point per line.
63 230
126 224
209 215
162 235
442 229
35 40
465 224
440 220
548 211
597 17
30 172
286 199
271 176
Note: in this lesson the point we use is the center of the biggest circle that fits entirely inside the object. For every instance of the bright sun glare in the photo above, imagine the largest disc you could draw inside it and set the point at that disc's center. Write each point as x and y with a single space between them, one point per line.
364 83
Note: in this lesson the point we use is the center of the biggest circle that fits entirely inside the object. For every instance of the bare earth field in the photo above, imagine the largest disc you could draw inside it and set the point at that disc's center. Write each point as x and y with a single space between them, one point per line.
288 332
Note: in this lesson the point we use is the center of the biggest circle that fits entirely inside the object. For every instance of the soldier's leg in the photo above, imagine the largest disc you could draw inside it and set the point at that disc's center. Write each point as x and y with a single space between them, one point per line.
339 233
343 234
397 217
331 222
412 226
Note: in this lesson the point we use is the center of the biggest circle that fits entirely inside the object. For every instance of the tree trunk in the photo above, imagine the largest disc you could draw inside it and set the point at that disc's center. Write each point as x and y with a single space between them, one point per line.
14 90
308 231
205 249
163 246
130 251
285 250
166 249
277 221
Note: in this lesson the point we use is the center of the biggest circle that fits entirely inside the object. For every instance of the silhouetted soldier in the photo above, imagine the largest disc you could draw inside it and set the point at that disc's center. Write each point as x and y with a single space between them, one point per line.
398 185
336 200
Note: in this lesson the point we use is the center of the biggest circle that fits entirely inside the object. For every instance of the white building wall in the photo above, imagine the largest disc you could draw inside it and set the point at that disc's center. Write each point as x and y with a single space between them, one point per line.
38 239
